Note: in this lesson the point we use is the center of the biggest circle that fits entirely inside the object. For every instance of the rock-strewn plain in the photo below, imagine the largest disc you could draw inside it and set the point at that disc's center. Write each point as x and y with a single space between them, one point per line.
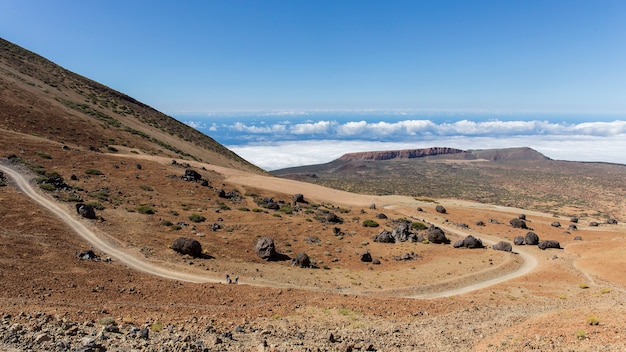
115 283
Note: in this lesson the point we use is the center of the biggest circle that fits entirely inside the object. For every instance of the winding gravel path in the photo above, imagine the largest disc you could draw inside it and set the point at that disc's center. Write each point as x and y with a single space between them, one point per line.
89 236
132 262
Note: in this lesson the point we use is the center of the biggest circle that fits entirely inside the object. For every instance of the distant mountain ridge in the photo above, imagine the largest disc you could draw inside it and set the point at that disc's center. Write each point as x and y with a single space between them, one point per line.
399 154
487 154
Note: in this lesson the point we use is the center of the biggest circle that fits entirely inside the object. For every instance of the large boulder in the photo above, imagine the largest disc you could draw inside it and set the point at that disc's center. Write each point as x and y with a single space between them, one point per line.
384 237
298 198
189 246
436 235
301 260
469 242
440 209
191 176
56 181
549 244
331 218
86 211
402 232
531 238
503 246
518 240
264 248
518 223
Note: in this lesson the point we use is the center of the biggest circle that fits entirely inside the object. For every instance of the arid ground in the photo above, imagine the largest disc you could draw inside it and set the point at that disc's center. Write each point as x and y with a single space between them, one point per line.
66 140
546 304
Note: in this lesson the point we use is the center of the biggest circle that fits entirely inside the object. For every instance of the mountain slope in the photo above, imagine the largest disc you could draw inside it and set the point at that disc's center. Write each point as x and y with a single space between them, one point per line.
41 98
519 177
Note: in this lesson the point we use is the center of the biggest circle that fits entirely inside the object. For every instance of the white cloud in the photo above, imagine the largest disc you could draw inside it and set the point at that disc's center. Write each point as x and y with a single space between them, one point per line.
275 128
195 124
383 130
313 128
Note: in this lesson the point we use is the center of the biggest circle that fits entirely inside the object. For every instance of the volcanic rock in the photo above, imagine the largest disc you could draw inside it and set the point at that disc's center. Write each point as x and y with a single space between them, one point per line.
436 235
518 223
264 248
189 246
549 244
503 246
531 238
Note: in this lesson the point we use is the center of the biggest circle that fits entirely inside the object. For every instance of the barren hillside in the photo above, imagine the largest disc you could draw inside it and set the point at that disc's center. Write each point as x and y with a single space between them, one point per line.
112 280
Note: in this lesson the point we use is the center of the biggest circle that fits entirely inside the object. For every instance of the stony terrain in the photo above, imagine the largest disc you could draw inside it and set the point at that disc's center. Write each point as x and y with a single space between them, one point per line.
124 288
519 177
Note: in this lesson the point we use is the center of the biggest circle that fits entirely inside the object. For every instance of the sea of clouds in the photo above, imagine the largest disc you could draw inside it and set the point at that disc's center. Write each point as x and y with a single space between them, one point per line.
276 141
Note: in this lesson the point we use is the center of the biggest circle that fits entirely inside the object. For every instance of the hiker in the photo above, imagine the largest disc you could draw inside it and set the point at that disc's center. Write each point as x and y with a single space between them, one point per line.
228 281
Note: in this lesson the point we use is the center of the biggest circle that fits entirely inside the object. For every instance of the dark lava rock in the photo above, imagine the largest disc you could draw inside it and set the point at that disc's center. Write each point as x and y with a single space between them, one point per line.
578 238
86 211
381 216
574 219
469 242
612 221
264 248
191 176
522 216
366 257
519 240
298 198
518 223
555 224
531 239
436 235
301 260
189 246
376 262
384 237
549 244
440 209
332 218
572 227
402 232
480 223
87 255
503 246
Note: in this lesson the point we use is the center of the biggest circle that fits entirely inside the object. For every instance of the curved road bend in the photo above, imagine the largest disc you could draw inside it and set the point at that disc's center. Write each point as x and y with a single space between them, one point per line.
134 263
89 236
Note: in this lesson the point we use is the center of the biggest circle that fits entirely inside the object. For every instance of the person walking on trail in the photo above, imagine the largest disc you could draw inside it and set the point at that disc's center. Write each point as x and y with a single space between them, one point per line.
236 278
228 280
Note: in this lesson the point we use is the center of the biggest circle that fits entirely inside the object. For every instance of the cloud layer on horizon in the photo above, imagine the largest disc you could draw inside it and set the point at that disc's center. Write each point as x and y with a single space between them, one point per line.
406 128
299 141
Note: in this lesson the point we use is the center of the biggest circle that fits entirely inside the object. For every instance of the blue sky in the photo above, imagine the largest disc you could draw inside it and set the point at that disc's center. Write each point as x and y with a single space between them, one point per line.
198 56
286 83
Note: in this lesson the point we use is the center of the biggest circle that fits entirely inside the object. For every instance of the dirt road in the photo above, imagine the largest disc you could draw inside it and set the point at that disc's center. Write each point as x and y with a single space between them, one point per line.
114 251
99 243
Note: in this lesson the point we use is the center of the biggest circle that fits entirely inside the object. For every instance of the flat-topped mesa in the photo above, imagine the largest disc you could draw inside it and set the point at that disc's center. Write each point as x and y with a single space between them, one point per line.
399 154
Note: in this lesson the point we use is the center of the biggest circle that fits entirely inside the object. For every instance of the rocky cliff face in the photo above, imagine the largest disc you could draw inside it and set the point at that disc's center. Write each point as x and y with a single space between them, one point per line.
399 154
